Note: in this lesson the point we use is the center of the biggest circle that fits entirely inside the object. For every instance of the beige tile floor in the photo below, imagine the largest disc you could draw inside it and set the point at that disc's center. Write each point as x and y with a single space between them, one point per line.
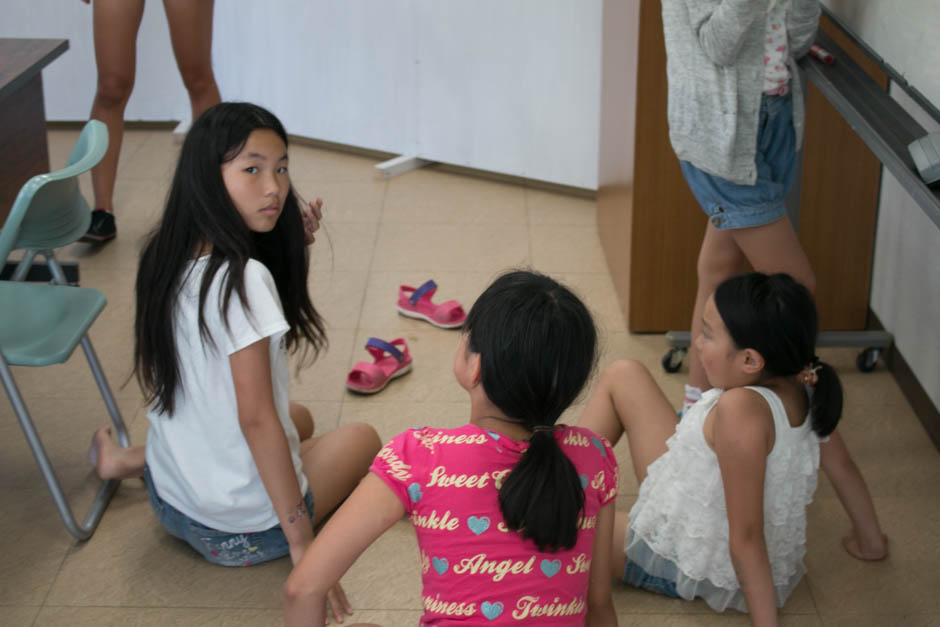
378 234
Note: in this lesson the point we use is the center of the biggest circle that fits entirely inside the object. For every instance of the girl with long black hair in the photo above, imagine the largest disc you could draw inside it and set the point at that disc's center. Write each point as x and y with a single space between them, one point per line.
230 464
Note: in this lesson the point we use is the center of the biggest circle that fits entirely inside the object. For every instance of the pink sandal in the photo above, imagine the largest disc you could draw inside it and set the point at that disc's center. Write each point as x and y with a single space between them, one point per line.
390 362
416 303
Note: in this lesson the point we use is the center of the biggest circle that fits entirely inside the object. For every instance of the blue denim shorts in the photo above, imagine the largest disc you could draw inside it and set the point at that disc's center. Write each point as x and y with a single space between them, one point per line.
733 206
634 575
221 547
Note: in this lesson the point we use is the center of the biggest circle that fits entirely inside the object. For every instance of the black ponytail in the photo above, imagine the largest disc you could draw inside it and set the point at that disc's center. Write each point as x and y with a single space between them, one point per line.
826 400
537 343
776 316
543 496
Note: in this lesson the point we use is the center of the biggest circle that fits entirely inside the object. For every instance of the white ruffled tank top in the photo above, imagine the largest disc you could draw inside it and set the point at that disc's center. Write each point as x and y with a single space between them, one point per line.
679 524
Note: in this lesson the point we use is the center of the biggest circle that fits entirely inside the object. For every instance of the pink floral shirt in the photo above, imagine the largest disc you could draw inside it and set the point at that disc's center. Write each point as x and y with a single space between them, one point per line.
776 50
474 570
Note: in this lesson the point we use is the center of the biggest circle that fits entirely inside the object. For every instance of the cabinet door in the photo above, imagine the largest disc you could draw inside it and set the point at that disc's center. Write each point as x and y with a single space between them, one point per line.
839 202
668 224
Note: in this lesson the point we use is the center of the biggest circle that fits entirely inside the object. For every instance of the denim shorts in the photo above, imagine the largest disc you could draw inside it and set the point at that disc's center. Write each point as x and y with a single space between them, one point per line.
221 547
634 575
734 206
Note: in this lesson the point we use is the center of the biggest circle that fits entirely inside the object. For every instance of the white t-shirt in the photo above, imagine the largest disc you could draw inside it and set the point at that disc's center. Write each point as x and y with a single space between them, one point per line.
198 457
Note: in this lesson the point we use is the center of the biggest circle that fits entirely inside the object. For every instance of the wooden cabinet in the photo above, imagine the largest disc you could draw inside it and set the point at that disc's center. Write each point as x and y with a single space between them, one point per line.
651 227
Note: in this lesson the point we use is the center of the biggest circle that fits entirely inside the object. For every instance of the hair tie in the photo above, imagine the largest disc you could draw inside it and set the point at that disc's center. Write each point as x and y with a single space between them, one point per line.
538 428
809 375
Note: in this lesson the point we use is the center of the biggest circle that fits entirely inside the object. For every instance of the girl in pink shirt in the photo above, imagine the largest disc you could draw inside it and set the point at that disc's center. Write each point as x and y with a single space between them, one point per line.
513 512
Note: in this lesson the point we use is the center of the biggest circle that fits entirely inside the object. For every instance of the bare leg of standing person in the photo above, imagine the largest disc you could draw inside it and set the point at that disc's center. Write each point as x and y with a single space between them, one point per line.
191 35
718 259
769 248
116 23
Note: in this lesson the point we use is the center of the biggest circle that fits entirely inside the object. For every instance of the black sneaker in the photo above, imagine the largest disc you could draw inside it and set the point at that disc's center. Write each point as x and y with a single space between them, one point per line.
101 229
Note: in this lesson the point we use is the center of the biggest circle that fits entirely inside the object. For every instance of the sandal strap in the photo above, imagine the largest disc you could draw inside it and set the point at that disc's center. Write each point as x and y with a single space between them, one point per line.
449 310
371 371
449 306
383 346
428 286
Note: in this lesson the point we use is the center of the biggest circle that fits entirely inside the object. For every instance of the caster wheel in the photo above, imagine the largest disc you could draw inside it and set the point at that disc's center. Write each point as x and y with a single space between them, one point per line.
672 360
867 359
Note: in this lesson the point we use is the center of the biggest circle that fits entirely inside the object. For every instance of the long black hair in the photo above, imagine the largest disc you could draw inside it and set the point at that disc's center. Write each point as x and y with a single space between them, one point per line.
776 316
537 346
200 214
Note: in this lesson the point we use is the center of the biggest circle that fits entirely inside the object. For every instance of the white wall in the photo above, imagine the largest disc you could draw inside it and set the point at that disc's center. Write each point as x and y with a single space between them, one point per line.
619 62
510 87
514 85
903 32
905 282
905 279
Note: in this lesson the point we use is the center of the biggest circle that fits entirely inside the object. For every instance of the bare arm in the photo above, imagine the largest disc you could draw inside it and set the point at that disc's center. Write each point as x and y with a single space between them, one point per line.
744 436
600 611
369 511
257 417
866 541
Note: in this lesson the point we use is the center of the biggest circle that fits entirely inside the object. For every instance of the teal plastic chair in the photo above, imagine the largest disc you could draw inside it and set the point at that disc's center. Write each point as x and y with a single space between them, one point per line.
41 324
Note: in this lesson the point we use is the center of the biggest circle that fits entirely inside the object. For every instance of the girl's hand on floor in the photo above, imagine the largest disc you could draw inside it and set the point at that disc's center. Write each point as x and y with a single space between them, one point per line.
337 604
311 218
856 546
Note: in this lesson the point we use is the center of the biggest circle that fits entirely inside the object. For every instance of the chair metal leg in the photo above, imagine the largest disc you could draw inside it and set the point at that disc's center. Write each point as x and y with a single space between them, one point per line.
55 269
58 274
23 267
105 492
105 389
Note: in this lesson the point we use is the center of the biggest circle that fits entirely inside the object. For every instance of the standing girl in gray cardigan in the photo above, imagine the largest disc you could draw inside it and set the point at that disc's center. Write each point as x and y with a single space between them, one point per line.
736 117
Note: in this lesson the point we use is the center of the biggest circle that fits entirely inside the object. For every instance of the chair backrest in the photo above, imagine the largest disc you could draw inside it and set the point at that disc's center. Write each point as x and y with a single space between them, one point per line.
50 212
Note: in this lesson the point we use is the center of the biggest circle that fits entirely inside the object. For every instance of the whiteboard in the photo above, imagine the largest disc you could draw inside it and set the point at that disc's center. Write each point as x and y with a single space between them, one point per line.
905 33
508 87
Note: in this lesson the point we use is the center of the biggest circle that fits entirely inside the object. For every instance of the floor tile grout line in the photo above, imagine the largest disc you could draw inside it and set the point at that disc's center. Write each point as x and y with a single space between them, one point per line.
365 291
375 241
58 571
812 596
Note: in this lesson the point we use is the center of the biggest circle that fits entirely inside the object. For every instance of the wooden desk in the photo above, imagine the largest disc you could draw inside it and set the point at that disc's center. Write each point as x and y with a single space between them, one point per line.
24 149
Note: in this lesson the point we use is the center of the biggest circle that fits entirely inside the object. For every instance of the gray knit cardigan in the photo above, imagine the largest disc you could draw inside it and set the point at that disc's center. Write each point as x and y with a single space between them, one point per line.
715 70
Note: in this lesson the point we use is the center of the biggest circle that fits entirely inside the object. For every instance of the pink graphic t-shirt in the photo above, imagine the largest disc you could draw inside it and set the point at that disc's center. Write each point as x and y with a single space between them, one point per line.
475 570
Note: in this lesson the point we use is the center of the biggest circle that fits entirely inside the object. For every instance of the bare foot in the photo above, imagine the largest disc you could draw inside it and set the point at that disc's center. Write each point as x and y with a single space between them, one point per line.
112 461
867 551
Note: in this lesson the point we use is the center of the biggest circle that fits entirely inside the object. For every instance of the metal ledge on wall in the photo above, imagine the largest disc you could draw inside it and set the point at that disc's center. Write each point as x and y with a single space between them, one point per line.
879 120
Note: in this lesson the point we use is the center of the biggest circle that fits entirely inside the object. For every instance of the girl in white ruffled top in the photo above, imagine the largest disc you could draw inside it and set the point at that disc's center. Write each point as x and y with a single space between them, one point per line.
721 512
